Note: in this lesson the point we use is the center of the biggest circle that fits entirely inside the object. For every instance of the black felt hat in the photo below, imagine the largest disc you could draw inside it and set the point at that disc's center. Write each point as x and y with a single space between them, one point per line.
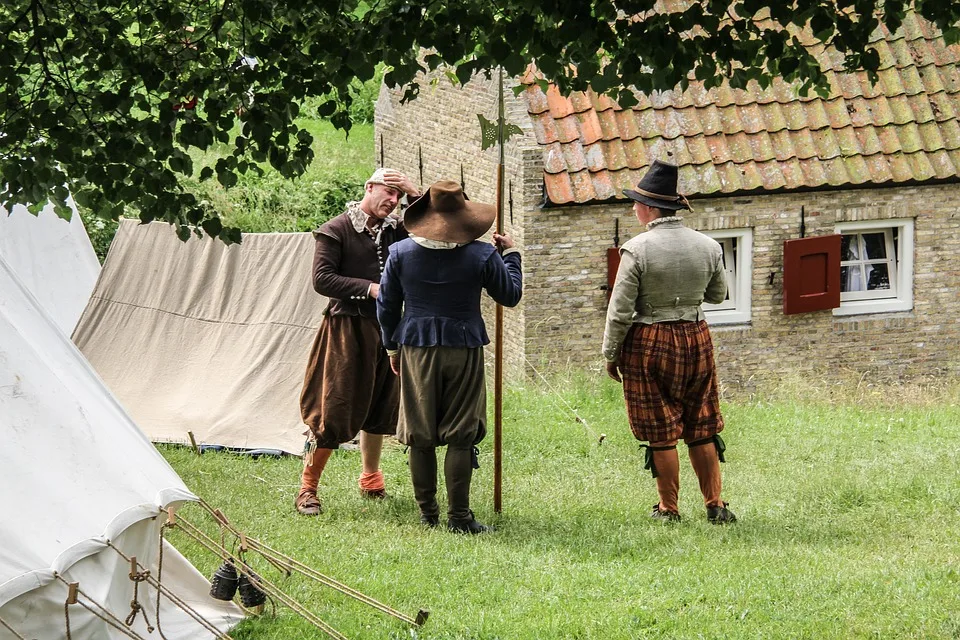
658 188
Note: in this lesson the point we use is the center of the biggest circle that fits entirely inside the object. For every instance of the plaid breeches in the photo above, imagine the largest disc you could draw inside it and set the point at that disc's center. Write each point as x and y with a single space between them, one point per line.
670 382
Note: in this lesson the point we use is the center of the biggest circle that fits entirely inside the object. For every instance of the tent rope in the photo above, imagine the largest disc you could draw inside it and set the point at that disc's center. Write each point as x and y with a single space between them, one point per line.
135 607
266 586
290 564
11 629
106 616
171 596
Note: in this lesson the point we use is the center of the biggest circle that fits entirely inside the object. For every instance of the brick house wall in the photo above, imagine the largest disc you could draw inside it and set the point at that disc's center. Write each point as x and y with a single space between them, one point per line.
560 320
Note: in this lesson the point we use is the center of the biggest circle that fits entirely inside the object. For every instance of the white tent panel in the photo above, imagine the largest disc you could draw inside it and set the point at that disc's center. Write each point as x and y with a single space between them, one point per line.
76 472
53 258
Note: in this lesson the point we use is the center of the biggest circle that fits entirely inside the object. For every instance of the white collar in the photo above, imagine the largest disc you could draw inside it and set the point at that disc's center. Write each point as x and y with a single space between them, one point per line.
653 223
358 217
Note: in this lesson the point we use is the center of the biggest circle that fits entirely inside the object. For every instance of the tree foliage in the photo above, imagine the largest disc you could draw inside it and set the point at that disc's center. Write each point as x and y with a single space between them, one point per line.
107 98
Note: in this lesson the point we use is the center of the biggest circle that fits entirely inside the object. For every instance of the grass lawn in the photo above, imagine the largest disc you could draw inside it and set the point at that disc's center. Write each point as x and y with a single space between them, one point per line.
848 527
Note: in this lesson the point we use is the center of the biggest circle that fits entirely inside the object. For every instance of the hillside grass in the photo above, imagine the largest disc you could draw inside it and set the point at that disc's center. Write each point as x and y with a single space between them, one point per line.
848 499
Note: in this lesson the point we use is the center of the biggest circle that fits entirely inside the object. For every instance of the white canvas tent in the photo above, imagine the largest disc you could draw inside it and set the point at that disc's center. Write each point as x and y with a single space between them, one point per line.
205 338
77 473
53 258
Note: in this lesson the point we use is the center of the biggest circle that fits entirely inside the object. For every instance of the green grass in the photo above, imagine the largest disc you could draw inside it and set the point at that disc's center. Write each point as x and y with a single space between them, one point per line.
848 527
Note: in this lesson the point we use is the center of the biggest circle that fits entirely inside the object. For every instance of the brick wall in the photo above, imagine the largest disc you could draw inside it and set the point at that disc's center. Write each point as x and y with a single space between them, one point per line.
566 248
560 321
441 129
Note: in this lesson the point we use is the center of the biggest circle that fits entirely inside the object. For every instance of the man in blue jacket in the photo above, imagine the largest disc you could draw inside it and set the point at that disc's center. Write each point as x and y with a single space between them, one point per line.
429 312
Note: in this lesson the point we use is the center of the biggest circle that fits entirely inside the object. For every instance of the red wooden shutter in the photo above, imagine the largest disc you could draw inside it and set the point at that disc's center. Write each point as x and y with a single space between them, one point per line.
811 274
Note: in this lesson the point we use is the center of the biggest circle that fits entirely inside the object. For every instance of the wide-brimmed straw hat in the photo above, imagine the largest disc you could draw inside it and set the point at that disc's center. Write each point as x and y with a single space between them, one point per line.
444 214
658 188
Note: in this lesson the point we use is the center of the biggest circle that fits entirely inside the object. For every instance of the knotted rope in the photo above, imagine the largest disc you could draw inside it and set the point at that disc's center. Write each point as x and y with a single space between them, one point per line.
106 616
6 626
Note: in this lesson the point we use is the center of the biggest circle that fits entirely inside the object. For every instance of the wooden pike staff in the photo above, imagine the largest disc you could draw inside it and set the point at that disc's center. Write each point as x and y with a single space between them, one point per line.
498 349
496 133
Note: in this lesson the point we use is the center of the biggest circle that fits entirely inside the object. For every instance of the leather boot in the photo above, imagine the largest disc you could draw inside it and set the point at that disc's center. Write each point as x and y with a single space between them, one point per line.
423 473
314 460
458 471
668 483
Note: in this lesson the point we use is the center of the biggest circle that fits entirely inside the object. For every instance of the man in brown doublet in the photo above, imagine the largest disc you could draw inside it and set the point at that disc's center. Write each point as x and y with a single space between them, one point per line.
349 388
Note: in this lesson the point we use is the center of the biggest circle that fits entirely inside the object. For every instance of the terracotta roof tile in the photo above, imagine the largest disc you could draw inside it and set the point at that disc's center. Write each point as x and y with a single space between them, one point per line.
627 125
536 100
900 167
868 140
880 109
950 132
614 153
553 160
942 164
560 107
773 118
568 129
647 123
603 187
636 153
601 102
859 112
700 151
668 123
710 120
930 138
782 142
879 168
825 143
582 185
590 130
889 140
580 102
559 187
544 129
920 167
573 156
727 140
609 124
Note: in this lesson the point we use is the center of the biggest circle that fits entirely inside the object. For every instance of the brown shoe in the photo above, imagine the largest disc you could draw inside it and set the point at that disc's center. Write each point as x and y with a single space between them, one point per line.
308 504
373 494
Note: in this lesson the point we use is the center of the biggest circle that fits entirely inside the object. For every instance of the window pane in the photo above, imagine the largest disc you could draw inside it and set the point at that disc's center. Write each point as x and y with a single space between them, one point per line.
850 279
848 248
878 277
875 245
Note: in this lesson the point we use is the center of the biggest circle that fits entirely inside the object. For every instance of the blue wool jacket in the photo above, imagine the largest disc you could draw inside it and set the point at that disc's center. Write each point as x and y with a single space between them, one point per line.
431 297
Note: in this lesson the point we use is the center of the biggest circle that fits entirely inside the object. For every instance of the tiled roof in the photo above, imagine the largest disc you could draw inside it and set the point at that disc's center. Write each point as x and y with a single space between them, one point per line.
904 128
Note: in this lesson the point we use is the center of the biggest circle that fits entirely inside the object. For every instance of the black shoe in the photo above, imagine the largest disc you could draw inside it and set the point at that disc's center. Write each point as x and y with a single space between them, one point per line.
665 516
430 521
469 525
720 515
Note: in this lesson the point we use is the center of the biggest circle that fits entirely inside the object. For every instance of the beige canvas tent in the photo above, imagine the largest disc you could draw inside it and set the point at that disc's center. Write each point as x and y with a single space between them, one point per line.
205 338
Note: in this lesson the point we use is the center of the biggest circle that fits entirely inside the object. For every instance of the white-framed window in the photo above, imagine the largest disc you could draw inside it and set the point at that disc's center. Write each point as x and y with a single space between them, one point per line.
737 247
876 266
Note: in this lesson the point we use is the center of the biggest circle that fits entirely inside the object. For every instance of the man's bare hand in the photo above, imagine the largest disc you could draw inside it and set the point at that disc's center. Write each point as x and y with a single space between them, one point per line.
613 370
374 290
399 181
395 364
503 242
